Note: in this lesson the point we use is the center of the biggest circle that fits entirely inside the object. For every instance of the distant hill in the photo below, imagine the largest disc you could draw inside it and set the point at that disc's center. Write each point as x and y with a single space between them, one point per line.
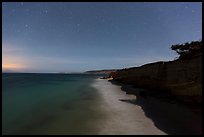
105 71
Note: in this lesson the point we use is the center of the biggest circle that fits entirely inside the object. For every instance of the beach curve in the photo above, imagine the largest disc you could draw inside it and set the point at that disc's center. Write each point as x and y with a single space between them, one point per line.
122 118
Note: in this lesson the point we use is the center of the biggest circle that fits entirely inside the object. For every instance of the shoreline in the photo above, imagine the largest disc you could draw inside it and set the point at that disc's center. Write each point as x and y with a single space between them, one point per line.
122 118
169 115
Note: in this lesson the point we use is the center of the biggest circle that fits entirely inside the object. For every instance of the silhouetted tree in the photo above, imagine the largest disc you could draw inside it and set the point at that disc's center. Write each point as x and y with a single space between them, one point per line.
187 50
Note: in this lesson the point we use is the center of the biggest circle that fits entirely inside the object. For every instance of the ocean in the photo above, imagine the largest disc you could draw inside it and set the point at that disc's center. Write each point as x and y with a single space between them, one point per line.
69 104
49 104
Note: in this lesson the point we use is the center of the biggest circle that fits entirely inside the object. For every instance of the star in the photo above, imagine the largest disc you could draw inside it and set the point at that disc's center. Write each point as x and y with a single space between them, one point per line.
186 7
27 26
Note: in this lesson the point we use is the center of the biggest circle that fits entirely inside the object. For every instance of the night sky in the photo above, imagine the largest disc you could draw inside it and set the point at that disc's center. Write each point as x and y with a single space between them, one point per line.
76 37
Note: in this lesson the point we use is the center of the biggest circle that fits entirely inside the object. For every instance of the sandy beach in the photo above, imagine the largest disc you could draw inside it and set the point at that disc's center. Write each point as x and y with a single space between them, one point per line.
122 117
130 114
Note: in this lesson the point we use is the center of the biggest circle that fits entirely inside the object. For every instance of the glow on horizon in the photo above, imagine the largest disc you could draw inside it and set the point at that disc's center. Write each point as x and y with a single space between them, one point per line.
12 66
10 60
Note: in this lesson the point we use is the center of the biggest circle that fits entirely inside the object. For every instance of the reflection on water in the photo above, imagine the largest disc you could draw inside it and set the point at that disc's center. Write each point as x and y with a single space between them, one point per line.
49 104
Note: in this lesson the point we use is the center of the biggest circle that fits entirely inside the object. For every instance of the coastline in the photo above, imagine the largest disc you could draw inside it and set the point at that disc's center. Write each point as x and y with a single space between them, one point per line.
168 115
122 118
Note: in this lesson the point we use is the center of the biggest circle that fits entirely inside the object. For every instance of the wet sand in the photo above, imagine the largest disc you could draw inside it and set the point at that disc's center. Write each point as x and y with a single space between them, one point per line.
123 117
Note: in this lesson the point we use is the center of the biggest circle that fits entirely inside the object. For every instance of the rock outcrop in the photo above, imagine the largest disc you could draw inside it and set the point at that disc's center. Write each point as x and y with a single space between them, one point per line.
182 78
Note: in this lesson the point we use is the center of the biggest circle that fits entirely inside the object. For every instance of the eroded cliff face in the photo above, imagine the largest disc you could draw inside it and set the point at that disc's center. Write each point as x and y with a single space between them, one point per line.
180 77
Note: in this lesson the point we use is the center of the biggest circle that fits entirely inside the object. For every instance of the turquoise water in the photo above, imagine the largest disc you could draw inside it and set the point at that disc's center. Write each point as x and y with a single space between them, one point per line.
49 104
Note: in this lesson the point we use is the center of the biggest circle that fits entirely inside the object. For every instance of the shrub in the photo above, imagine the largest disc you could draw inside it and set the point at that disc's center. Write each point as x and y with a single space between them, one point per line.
187 50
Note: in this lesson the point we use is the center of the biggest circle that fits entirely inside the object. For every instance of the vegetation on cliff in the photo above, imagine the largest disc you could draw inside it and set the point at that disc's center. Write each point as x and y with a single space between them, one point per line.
188 50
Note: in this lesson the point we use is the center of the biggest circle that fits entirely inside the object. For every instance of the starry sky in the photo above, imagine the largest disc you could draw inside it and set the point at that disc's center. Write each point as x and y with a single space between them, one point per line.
76 37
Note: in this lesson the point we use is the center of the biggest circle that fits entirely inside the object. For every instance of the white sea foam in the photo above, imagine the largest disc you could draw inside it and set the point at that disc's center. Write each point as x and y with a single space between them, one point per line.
122 117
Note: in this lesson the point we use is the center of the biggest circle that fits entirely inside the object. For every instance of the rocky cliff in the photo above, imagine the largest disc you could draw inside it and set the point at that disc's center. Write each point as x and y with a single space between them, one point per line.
182 78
